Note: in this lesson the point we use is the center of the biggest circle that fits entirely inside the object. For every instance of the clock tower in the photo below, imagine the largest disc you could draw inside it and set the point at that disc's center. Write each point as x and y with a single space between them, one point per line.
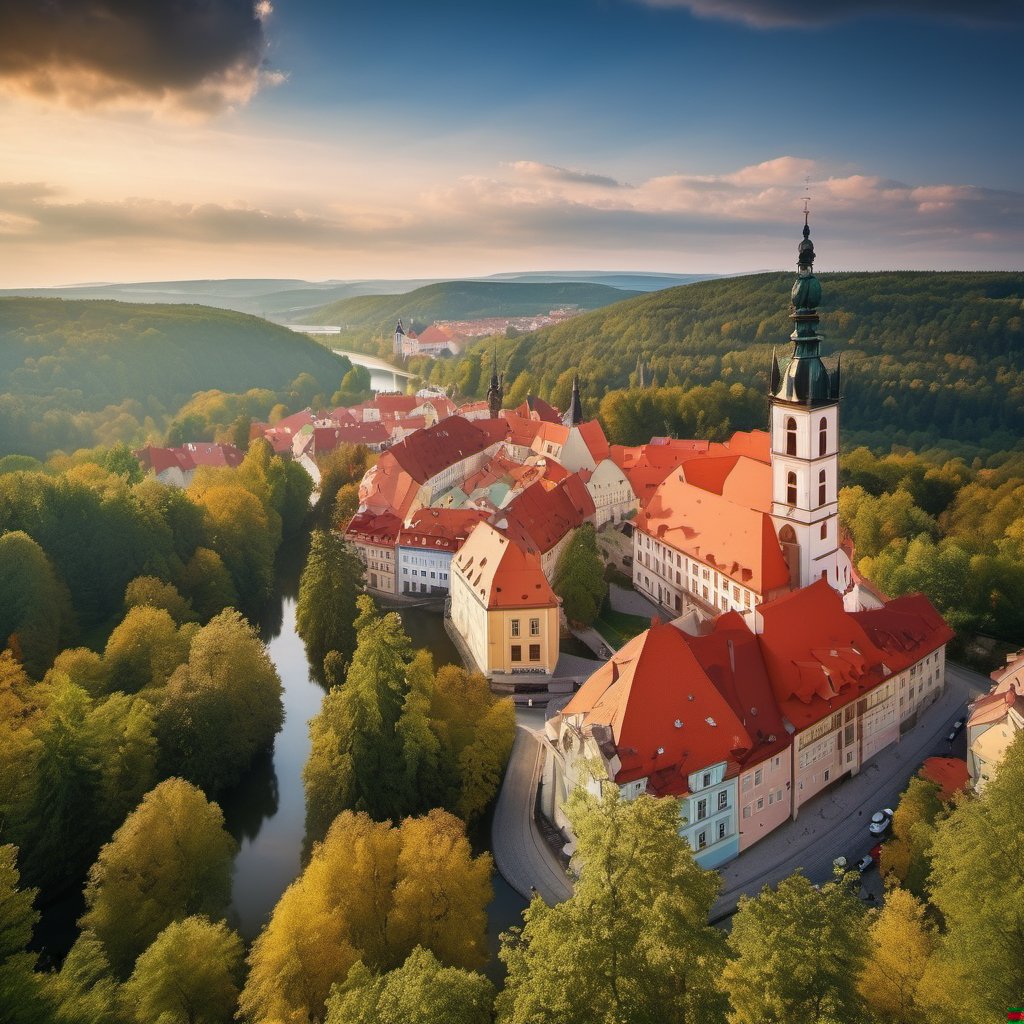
804 400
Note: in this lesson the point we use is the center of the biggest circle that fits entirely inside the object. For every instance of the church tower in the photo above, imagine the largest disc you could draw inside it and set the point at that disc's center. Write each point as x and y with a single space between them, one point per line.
399 348
496 391
805 441
574 414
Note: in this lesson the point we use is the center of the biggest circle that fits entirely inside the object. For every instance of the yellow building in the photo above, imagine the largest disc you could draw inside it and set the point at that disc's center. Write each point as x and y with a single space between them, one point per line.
503 606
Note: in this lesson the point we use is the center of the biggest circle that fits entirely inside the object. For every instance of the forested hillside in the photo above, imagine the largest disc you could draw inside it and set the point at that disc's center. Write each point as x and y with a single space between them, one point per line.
927 357
78 373
460 300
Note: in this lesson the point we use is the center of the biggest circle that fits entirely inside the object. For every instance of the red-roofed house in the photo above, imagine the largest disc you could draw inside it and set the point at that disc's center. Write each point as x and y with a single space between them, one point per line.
502 605
543 517
426 545
375 538
746 726
374 435
995 720
177 466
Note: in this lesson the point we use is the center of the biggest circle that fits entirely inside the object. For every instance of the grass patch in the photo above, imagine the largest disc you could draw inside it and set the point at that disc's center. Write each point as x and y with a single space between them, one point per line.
619 628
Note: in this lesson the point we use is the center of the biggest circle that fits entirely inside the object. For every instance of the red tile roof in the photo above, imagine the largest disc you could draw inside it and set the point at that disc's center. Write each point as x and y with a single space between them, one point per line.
427 452
537 409
380 529
904 628
326 439
500 573
640 702
735 537
443 529
190 456
543 514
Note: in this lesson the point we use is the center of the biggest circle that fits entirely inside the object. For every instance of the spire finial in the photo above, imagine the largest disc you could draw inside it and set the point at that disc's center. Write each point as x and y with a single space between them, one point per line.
807 205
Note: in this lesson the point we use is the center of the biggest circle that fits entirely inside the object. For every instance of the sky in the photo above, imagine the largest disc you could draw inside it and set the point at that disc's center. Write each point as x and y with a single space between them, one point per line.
182 139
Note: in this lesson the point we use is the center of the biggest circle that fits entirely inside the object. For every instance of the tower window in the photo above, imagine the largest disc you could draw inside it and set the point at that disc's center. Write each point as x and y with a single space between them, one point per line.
822 435
821 488
790 436
791 488
824 531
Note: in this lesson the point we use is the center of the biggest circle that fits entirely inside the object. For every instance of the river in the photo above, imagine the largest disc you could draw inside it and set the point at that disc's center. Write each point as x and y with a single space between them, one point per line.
266 813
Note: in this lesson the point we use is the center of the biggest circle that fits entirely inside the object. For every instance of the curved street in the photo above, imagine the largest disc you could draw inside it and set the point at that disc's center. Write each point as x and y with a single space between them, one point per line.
520 852
832 824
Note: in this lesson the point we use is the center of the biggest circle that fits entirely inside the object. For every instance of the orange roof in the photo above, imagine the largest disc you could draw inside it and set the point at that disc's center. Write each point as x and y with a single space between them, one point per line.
950 774
435 334
522 429
393 405
818 656
737 538
537 409
542 515
640 704
500 573
445 529
551 433
387 487
593 437
906 628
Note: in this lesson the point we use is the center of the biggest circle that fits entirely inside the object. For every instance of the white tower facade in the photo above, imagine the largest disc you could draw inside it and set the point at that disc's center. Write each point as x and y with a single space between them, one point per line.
805 443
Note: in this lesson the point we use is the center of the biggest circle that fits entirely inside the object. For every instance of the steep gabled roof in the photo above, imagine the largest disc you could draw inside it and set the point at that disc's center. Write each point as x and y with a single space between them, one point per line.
543 514
427 452
442 529
501 574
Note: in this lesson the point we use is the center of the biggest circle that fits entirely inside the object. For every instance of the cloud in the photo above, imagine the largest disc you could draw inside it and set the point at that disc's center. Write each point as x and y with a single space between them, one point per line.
801 14
549 172
195 57
743 219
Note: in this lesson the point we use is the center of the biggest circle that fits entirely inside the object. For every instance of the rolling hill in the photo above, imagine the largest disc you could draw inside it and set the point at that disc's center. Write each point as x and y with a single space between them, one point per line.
73 371
463 300
927 356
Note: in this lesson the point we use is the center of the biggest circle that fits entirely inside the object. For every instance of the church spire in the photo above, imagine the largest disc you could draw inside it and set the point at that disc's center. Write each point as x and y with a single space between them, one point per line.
804 378
574 414
496 392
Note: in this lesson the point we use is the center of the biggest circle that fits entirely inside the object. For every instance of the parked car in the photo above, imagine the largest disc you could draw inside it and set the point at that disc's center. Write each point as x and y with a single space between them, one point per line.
865 862
880 821
955 729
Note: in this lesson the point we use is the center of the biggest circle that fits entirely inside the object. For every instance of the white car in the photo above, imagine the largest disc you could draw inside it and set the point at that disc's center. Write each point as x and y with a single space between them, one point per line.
880 821
865 862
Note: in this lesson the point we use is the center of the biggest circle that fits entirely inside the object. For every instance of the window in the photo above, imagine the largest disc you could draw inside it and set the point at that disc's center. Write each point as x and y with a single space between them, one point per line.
517 652
534 652
776 761
706 781
790 436
746 782
760 803
723 800
822 435
821 488
515 627
824 575
824 531
721 830
791 488
828 773
702 809
534 627
702 840
771 798
778 796
746 811
758 775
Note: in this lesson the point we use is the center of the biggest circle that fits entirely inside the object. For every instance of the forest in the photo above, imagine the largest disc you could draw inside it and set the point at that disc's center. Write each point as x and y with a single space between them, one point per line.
929 358
77 374
462 300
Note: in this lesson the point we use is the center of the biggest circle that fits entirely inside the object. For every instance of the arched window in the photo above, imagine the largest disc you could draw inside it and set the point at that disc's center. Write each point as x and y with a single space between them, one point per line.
822 435
790 436
824 530
791 489
821 488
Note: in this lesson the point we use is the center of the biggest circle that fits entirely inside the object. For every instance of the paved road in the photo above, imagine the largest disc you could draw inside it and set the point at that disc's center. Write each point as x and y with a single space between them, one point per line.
520 852
832 824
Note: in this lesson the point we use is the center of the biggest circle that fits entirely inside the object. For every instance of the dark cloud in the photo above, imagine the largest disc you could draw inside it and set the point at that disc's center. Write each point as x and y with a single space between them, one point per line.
797 13
199 54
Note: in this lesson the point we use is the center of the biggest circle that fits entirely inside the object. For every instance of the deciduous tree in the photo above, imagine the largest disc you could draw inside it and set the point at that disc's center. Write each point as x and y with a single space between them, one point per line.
170 859
579 577
189 975
798 954
633 939
421 991
371 893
